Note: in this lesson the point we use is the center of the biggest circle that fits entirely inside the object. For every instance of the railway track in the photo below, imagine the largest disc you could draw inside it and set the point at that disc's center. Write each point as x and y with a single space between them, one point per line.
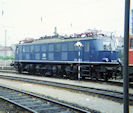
8 71
37 104
114 83
111 82
102 93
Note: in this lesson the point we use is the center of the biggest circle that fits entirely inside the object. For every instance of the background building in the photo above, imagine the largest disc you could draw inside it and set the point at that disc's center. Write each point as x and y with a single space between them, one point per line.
6 51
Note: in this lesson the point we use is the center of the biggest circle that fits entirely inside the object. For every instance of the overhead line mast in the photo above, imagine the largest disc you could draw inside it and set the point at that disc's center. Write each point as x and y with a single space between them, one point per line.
126 52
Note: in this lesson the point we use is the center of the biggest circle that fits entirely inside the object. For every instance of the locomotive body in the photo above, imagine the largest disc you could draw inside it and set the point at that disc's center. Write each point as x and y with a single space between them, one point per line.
59 56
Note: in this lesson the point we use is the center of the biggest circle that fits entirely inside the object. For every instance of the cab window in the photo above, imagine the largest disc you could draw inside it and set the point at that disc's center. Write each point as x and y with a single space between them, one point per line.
107 45
87 46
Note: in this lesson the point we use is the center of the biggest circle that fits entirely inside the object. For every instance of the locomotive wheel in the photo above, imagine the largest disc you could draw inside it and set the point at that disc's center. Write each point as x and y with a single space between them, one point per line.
30 72
31 69
42 73
54 70
59 74
83 77
68 71
73 76
20 68
73 73
48 74
105 77
94 75
94 78
48 71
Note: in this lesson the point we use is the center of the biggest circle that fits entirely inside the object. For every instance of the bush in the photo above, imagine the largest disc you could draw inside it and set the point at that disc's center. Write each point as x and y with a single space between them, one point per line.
1 58
6 58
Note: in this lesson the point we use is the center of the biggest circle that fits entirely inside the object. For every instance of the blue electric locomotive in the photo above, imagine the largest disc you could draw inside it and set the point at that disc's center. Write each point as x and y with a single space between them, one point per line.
58 56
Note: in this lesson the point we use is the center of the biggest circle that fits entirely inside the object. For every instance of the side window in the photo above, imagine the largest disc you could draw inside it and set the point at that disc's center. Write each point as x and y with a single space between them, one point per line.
43 48
51 56
58 47
31 48
64 56
64 47
23 49
37 48
37 56
27 49
27 56
131 43
87 46
71 46
51 47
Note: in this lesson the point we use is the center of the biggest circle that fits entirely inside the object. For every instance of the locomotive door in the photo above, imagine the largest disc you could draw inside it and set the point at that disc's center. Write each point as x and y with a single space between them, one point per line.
32 52
81 53
86 51
18 53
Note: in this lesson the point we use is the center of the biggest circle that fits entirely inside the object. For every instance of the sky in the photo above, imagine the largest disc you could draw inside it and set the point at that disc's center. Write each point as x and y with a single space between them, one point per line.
34 18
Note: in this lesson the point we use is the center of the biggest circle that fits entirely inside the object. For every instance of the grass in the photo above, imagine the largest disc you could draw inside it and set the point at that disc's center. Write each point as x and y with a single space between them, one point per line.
6 58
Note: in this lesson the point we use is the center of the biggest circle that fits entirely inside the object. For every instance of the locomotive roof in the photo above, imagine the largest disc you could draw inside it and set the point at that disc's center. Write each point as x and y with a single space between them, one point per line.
60 39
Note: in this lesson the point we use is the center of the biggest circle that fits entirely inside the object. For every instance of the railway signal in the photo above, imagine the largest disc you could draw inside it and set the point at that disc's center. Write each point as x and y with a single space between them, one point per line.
79 45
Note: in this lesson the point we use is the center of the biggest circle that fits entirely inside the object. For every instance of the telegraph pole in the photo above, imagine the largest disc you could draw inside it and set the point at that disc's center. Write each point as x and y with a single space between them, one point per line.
126 51
5 37
5 46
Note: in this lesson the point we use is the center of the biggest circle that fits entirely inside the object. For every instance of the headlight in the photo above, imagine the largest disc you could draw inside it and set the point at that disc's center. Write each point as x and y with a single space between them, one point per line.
119 60
105 59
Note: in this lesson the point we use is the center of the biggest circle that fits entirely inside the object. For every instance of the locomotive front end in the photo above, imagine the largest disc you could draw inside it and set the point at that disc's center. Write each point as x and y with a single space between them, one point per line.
109 51
105 55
